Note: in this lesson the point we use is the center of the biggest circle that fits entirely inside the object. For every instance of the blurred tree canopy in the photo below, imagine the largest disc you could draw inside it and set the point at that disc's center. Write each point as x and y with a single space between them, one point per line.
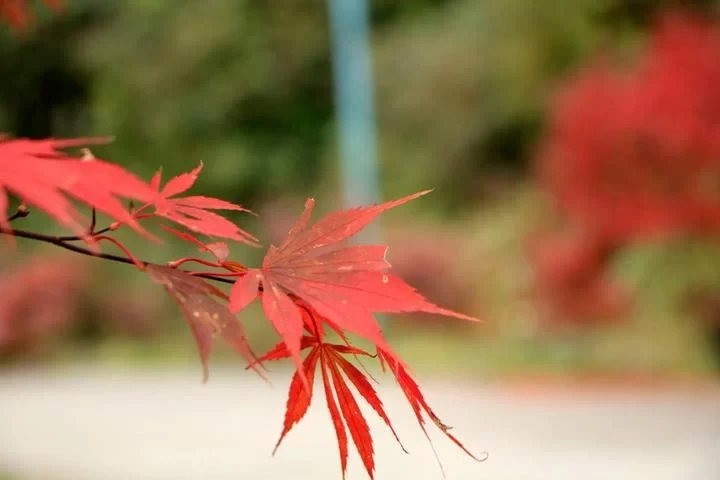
247 86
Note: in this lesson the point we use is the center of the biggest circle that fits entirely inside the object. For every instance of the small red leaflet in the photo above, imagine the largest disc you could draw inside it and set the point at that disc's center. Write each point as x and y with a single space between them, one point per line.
192 212
344 284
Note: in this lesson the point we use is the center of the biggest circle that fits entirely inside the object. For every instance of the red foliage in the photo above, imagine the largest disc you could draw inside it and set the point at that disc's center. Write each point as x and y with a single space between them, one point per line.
205 315
343 408
310 282
48 296
192 212
632 156
42 176
636 155
429 260
17 13
571 282
343 283
26 322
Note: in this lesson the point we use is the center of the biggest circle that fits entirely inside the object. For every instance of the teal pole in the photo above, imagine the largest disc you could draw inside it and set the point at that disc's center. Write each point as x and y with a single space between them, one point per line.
354 104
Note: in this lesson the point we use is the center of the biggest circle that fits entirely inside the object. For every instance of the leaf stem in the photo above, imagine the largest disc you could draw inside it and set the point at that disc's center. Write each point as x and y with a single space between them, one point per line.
177 263
93 222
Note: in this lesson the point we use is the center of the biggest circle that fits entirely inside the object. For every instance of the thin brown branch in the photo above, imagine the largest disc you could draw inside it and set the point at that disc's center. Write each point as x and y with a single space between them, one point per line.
65 242
76 238
93 222
93 232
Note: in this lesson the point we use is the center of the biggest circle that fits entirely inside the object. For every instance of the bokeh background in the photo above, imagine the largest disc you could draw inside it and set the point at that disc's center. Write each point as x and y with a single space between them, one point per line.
574 148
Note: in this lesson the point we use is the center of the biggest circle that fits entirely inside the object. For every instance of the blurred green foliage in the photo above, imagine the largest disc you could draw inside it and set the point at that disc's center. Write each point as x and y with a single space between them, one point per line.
246 86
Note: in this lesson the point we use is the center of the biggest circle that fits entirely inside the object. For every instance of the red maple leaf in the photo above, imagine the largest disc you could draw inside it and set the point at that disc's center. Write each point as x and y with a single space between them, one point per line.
335 371
344 284
192 212
205 316
342 405
40 175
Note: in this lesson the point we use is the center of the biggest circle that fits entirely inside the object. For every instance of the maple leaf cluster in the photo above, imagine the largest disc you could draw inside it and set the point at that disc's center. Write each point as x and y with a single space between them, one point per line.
633 156
313 281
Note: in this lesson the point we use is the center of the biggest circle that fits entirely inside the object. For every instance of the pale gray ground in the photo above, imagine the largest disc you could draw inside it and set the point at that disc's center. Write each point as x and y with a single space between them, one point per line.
95 424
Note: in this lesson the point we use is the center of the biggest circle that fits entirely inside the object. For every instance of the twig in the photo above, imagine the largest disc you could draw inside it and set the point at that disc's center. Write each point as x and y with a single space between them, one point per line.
76 238
64 242
111 228
93 222
21 212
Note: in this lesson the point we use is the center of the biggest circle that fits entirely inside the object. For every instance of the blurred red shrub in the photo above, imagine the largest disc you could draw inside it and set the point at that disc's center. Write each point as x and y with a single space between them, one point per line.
18 13
39 299
49 295
631 156
128 315
571 282
636 155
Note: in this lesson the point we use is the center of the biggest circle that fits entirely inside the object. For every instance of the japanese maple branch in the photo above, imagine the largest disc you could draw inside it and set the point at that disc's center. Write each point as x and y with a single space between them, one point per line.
65 242
91 230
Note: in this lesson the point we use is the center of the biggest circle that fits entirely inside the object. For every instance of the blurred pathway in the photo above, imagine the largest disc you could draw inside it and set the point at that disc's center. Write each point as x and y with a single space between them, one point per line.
96 425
